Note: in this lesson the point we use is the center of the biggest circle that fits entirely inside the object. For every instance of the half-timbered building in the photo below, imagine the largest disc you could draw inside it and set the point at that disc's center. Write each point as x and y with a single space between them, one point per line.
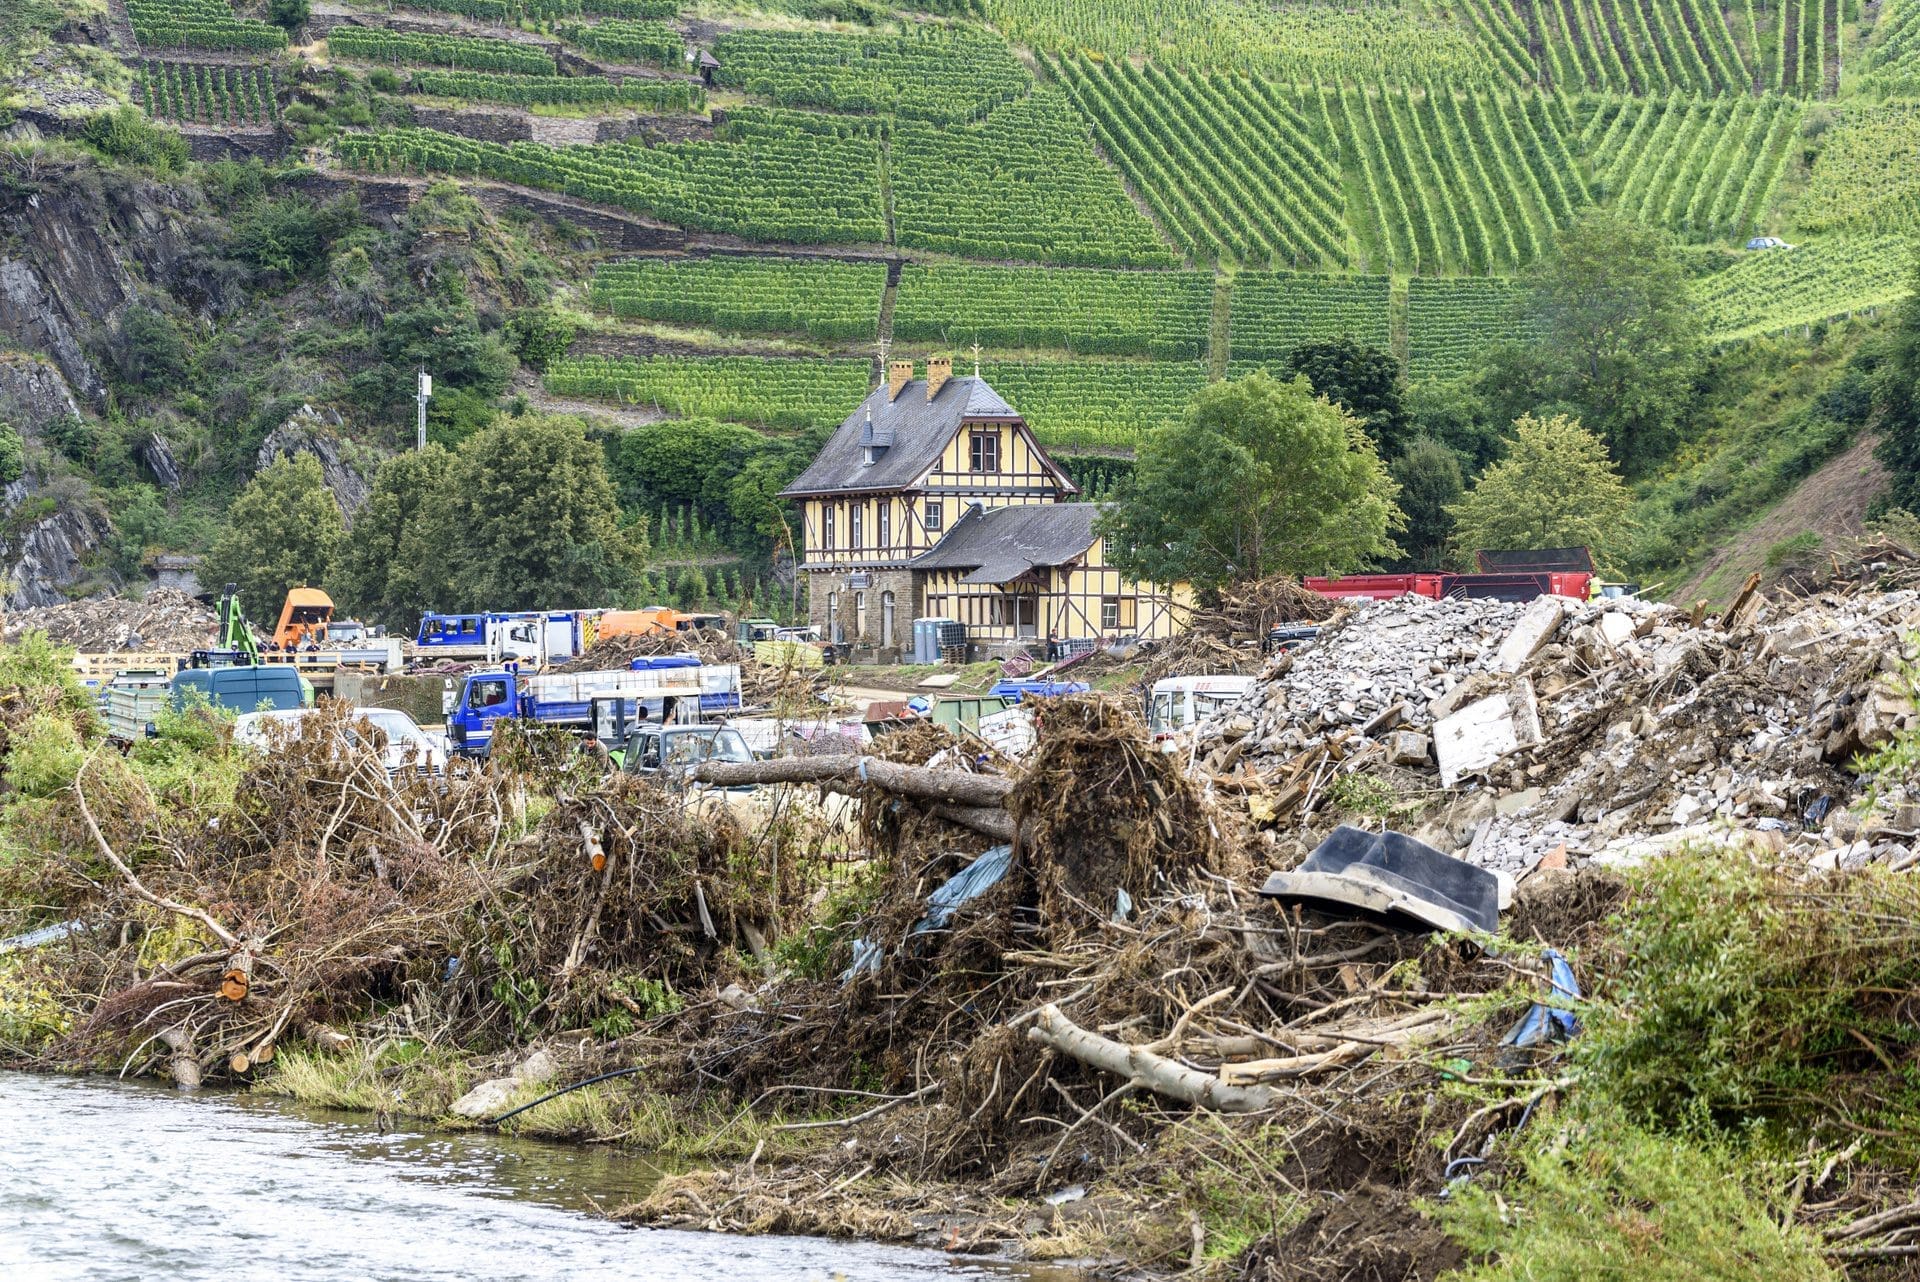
930 489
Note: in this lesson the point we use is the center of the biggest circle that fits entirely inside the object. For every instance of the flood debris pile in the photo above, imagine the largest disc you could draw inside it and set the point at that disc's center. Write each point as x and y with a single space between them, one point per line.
163 619
1585 730
711 644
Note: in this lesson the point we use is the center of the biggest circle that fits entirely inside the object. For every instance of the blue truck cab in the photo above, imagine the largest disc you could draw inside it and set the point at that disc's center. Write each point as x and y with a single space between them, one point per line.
451 630
666 689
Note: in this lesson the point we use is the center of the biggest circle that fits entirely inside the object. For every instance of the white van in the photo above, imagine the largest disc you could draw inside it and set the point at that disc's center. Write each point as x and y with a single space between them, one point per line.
1179 702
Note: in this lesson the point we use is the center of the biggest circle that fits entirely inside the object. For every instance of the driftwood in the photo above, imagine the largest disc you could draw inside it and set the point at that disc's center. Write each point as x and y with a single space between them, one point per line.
948 787
1143 1068
972 801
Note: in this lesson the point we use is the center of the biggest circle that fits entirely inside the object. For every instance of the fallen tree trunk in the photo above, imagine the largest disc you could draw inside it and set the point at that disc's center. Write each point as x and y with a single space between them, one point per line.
1143 1068
946 787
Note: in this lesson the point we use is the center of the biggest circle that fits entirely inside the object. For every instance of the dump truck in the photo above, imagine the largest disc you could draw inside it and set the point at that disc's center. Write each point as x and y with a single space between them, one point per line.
304 617
567 699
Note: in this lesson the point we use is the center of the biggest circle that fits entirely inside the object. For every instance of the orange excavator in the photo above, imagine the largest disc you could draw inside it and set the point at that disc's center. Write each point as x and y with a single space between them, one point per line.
654 620
304 617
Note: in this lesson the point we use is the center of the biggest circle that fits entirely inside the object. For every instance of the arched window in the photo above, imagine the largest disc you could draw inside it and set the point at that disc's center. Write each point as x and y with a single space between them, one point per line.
886 618
860 616
833 616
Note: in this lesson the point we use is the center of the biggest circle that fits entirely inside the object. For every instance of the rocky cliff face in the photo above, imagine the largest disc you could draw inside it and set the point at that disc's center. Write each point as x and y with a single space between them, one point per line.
41 556
311 431
73 251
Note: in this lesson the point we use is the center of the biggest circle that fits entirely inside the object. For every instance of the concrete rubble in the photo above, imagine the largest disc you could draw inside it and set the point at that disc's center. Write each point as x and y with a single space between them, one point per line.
1589 732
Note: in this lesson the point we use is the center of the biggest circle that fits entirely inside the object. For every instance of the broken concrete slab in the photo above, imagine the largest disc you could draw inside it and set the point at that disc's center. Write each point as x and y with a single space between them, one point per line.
1484 731
1408 748
1534 628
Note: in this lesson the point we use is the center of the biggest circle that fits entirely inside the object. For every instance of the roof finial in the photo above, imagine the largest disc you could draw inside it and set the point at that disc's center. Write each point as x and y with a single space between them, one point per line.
976 358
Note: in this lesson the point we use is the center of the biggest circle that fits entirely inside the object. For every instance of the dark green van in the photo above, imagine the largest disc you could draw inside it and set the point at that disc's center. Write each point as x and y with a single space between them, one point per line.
244 688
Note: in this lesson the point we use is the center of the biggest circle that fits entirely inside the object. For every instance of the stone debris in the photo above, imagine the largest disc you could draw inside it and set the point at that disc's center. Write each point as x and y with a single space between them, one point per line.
164 619
1586 732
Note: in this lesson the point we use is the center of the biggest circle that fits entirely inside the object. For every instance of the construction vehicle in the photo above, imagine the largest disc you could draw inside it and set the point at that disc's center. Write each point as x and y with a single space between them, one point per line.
747 631
304 617
567 699
536 637
655 619
1514 586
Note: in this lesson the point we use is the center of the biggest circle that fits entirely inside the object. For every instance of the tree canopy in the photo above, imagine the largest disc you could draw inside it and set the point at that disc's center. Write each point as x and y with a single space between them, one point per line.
1896 404
384 570
1616 343
283 531
1429 477
1364 381
1555 488
1263 477
526 518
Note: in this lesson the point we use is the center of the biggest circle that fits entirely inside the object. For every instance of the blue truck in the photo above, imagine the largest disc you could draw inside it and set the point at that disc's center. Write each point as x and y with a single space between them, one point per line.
668 688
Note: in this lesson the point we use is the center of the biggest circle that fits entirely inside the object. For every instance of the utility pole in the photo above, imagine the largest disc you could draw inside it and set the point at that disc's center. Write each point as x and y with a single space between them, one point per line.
423 393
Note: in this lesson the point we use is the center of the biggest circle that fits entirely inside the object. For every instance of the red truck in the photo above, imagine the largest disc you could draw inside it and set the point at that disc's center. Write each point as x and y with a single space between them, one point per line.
1512 586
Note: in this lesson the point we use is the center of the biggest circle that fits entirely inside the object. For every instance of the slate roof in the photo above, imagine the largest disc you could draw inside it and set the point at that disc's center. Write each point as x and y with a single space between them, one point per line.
919 428
1000 544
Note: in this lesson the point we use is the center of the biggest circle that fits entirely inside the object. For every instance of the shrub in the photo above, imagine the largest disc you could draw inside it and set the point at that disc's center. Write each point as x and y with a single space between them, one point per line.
124 134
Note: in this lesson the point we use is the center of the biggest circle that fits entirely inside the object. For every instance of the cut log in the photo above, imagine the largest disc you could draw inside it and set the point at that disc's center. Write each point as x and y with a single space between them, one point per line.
1267 1070
183 1066
327 1039
947 787
1145 1069
236 978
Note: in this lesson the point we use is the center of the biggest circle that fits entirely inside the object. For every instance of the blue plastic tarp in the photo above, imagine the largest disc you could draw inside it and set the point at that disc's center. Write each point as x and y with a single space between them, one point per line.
1544 1023
971 882
1016 690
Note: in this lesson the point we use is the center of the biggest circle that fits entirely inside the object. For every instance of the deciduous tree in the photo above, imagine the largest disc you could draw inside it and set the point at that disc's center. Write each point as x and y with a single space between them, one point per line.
1263 477
1555 488
384 572
283 531
1429 477
1364 381
1896 404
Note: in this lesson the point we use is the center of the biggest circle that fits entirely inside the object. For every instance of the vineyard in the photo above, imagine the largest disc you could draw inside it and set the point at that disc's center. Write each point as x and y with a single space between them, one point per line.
376 44
193 94
1274 312
199 24
479 86
1229 167
630 41
1867 177
769 176
1024 185
1097 404
1110 313
739 389
1369 40
1659 46
1450 322
1892 63
1701 166
535 11
823 298
933 73
1452 182
1774 290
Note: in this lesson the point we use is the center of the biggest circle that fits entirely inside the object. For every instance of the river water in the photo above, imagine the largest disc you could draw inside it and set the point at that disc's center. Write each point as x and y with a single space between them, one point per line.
103 1181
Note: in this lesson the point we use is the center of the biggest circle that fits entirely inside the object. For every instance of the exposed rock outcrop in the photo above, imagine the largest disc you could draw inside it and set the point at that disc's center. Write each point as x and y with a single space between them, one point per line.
52 552
311 431
157 454
33 394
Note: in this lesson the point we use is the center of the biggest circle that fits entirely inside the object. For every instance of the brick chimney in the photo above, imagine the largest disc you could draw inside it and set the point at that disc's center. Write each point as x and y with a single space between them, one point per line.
939 370
899 374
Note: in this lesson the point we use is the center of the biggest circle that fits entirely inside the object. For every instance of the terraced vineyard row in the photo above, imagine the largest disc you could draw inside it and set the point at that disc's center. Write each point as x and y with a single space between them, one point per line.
1292 43
1454 182
1698 165
376 44
934 73
821 297
1135 313
1656 46
739 389
1227 163
199 24
1765 293
1096 404
480 86
1023 185
1271 313
548 10
209 95
1450 322
1892 61
769 176
1866 177
632 41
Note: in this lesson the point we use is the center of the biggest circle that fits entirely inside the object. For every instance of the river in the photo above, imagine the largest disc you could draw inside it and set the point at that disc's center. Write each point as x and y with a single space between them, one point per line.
104 1180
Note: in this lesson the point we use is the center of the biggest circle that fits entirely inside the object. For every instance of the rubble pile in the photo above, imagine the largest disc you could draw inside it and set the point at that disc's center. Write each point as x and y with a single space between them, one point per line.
164 619
711 644
1590 731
